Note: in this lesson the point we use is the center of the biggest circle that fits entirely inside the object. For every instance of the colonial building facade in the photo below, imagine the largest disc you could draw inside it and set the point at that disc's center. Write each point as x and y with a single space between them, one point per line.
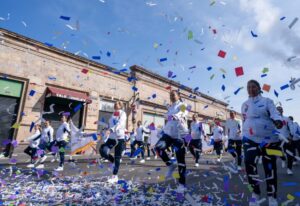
40 81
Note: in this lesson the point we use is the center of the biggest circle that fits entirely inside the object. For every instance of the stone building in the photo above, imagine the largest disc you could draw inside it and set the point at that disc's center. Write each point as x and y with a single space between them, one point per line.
38 80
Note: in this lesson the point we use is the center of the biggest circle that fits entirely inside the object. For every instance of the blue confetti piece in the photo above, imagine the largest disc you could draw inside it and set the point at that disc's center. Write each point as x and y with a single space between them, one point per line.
157 169
223 88
134 88
263 75
31 126
66 18
153 96
282 18
253 34
270 166
48 44
96 57
77 108
288 184
197 88
192 67
297 194
205 106
284 87
51 78
102 119
174 76
209 68
223 76
31 93
108 54
123 70
237 91
95 136
163 59
276 93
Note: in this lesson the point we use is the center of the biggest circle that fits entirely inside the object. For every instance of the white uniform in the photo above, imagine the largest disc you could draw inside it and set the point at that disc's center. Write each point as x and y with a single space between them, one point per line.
232 129
176 126
63 132
295 131
153 137
47 134
196 130
217 132
140 133
258 113
285 130
117 125
34 140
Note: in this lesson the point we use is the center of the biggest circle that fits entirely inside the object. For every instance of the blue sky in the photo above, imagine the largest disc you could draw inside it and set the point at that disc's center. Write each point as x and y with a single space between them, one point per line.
129 29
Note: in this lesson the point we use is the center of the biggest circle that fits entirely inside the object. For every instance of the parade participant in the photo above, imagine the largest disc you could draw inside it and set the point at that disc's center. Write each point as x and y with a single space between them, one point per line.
61 138
116 139
152 140
195 145
174 131
139 140
233 130
260 120
294 145
286 144
47 141
217 138
34 140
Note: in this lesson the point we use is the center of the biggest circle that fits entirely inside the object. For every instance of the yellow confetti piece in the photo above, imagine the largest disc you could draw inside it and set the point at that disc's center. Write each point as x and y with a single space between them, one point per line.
155 45
135 189
250 188
212 76
150 190
274 152
16 126
290 197
212 3
223 70
161 178
176 175
183 108
234 58
18 172
265 70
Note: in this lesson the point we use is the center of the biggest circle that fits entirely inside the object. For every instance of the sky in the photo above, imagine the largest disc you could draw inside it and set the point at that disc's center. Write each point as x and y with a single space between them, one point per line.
255 34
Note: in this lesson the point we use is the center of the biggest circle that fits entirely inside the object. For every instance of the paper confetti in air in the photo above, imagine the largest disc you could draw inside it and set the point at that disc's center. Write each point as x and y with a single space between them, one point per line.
274 152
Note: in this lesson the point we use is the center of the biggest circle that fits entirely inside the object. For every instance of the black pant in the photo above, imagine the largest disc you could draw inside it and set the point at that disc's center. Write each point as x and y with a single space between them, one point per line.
148 150
61 146
235 149
290 151
252 153
218 146
31 152
119 146
47 146
178 144
195 147
140 145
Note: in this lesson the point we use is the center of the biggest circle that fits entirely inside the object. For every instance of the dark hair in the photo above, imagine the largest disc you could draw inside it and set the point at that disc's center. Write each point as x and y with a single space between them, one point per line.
291 118
177 92
256 83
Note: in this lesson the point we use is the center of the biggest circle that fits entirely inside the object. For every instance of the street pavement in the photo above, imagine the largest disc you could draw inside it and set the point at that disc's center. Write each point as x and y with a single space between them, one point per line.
84 182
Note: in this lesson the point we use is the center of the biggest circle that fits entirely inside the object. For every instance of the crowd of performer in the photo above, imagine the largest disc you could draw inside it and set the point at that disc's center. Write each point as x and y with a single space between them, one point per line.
263 130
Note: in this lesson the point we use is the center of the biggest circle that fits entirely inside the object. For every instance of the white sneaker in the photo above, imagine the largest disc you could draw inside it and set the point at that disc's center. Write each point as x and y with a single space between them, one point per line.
148 158
180 188
59 169
121 160
1 156
105 160
173 158
114 179
239 168
170 171
155 157
255 198
43 159
273 201
142 161
41 166
219 159
197 165
30 165
283 164
289 172
54 159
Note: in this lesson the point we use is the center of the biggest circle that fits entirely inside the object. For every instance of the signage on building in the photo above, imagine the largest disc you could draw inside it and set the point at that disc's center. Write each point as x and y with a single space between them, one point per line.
106 106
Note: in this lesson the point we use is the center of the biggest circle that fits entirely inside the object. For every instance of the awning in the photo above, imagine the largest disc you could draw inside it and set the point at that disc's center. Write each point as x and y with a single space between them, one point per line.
68 94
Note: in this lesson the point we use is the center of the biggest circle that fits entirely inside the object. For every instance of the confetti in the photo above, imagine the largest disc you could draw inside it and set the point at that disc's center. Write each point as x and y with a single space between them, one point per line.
66 18
266 87
222 54
253 34
239 71
293 22
84 71
284 87
163 59
274 152
190 35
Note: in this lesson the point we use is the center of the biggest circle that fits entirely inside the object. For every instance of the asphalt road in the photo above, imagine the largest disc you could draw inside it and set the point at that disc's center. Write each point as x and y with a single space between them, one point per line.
212 182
